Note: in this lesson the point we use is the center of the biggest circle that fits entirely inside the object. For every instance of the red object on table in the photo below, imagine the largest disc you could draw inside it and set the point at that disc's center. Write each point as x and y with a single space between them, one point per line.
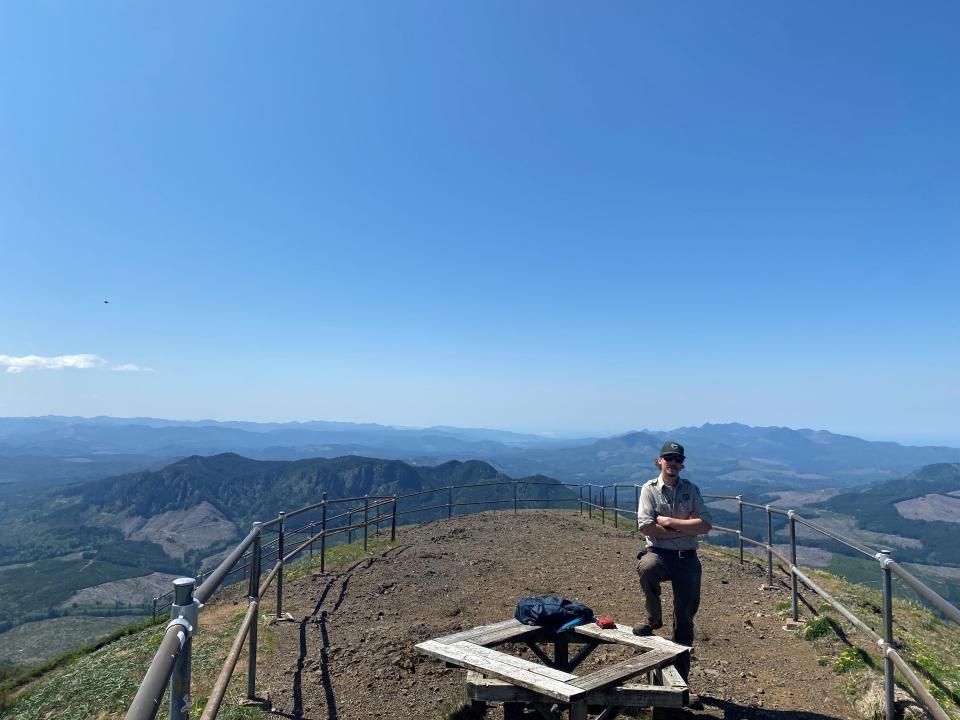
605 622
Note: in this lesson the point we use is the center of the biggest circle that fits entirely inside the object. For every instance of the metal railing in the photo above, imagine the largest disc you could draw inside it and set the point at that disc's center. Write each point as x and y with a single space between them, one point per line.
171 664
892 657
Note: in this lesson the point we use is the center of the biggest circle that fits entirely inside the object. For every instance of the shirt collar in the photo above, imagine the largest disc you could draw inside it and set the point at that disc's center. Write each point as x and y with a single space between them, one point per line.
661 484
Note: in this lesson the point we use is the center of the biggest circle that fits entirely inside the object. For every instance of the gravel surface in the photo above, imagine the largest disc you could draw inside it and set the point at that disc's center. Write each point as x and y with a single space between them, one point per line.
349 654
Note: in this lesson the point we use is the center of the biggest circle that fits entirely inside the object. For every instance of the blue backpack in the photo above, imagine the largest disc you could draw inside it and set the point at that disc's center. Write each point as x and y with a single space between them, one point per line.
552 612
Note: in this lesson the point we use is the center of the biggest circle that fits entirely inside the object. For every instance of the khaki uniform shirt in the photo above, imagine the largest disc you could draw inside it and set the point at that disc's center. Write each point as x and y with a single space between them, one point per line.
679 501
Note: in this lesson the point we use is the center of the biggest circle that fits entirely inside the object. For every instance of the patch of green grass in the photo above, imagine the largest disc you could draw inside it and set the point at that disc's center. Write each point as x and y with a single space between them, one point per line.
337 557
816 628
21 678
783 607
237 712
940 674
850 659
102 681
39 642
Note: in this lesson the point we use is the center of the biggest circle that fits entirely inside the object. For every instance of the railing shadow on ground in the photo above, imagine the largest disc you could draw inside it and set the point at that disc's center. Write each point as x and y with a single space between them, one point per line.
733 711
171 665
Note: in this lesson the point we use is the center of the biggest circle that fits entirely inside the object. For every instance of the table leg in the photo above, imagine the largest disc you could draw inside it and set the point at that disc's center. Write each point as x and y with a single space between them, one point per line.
561 653
512 711
578 710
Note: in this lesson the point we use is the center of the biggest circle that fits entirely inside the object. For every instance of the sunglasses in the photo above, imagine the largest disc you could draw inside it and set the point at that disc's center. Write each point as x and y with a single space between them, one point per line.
674 458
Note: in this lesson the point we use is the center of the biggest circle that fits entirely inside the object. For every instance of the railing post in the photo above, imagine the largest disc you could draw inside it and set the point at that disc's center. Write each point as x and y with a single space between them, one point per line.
255 560
590 502
636 501
280 573
449 501
393 521
580 498
891 710
793 564
740 526
349 526
366 518
155 608
310 532
379 507
185 609
603 504
514 497
616 507
254 593
323 533
769 547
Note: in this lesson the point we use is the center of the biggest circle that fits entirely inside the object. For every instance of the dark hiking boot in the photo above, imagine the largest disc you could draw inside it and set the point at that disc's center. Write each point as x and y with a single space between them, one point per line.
646 629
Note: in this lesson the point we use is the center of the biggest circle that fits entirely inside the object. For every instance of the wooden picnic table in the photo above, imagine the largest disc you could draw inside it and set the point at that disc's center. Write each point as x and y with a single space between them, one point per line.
552 685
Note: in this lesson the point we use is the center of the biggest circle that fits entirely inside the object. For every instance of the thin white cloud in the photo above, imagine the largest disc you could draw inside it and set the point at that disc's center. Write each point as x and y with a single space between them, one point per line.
130 367
17 364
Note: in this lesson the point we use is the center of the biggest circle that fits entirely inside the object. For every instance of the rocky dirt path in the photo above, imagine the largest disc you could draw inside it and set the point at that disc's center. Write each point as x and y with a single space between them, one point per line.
350 655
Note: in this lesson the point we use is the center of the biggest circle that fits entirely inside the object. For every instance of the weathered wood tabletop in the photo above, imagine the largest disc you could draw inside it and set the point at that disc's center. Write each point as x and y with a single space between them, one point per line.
498 676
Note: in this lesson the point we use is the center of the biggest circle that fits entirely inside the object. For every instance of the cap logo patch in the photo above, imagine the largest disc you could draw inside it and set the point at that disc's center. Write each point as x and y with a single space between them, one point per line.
673 445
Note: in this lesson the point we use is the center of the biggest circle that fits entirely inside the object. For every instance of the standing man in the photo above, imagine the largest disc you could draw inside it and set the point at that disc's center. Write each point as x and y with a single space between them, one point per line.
671 514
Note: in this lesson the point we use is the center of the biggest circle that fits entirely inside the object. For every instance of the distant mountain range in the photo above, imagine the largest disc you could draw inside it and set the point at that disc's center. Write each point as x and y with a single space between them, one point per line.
733 458
721 457
152 435
55 449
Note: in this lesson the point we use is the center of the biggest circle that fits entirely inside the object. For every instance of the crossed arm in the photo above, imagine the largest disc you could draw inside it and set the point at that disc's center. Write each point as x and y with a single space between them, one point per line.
668 527
674 526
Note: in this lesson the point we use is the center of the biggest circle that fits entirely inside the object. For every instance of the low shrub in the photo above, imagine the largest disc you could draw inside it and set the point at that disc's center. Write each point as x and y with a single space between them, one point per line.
818 627
850 659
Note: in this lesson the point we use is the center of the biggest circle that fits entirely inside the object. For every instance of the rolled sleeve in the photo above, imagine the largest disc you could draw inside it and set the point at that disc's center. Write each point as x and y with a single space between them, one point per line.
646 508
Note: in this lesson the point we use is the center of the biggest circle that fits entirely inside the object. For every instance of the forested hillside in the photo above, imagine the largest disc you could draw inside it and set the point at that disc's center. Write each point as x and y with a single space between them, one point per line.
875 509
133 525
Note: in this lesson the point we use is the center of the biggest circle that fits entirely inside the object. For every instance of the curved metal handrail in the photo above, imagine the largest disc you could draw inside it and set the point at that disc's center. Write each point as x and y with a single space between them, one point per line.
248 556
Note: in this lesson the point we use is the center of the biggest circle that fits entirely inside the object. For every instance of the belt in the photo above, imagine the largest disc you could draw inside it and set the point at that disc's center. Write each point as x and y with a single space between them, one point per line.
682 554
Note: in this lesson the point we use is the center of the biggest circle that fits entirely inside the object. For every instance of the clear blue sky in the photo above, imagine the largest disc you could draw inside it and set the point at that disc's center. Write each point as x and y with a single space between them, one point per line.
551 217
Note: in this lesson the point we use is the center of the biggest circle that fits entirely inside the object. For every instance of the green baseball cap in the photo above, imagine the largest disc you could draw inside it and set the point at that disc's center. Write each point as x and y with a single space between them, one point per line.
672 448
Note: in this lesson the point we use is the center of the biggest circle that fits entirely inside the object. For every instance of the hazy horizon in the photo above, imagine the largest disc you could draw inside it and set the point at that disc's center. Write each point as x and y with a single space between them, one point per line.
946 441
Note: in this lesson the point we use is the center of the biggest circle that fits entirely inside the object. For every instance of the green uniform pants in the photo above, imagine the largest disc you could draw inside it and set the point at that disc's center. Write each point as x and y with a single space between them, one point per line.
684 574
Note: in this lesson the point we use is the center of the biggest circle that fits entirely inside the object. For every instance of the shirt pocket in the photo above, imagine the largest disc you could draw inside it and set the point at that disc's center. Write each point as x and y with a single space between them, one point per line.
663 508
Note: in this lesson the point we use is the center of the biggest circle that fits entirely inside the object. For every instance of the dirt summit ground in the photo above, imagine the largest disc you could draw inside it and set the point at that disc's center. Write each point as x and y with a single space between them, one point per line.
350 654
